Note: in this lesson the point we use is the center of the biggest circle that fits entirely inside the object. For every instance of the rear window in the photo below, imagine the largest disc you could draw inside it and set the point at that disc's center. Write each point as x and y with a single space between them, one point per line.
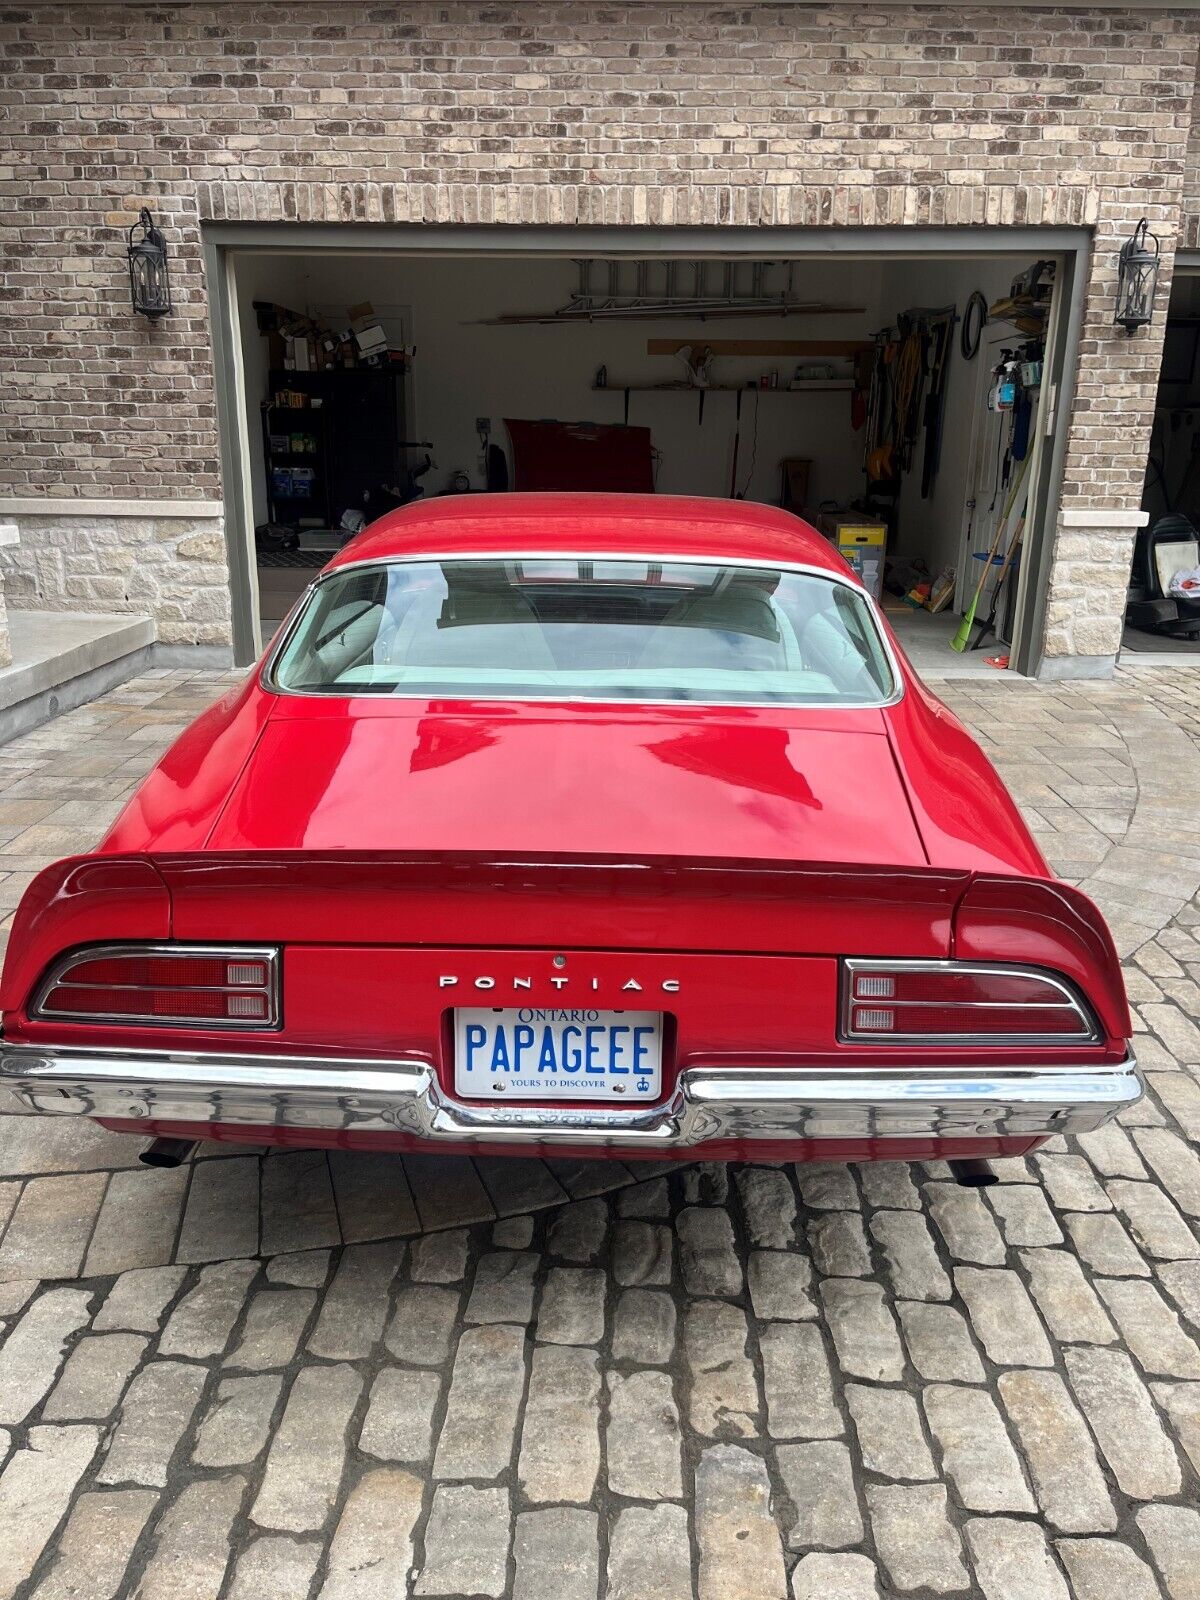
608 629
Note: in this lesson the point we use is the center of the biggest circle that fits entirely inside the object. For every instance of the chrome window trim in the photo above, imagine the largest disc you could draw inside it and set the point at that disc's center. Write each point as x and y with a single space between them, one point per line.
1072 1000
268 954
268 680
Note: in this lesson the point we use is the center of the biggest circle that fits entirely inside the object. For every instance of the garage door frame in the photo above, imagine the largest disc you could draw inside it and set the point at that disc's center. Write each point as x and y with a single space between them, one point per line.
222 242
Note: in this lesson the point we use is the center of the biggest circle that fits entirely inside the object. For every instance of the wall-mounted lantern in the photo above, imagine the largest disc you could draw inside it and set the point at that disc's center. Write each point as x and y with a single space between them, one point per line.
1137 279
149 286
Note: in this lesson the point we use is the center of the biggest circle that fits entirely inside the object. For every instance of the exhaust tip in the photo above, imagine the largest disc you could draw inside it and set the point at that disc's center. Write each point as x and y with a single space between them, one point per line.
972 1174
167 1152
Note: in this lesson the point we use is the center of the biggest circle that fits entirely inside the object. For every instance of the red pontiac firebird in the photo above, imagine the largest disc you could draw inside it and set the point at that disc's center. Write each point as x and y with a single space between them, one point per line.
576 823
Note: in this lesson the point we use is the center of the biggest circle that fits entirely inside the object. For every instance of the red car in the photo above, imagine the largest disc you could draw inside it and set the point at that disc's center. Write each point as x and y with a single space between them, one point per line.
593 823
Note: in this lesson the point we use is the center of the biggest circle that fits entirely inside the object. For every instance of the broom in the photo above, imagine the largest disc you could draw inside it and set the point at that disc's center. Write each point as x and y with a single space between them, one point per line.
962 638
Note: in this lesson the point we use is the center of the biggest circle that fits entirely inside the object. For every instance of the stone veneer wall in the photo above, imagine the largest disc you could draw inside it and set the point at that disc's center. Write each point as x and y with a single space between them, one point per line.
559 113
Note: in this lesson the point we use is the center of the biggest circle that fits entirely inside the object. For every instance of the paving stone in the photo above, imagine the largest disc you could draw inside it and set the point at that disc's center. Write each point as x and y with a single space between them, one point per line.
723 1402
890 1440
440 1257
780 1286
503 1287
32 1354
1181 1280
769 1206
1058 1452
707 1255
644 1327
93 1550
1003 1317
1181 1402
1071 1183
649 1200
826 1186
423 1324
797 1383
557 1555
1104 1569
32 1146
191 1547
572 1306
157 1410
513 1233
917 1544
1024 1215
642 1253
138 1220
399 1421
1150 1328
819 1481
966 1224
201 1323
706 1184
235 1428
35 1491
302 1269
308 1451
650 1555
15 1294
486 1388
939 1342
839 1245
1122 1417
977 1454
1173 1535
51 1225
741 1557
517 1184
275 1566
888 1184
94 1378
298 1208
1102 1243
1111 1152
1012 1561
910 1256
220 1215
447 1191
372 1548
578 1232
1066 1299
138 1299
560 1437
273 1328
820 1577
863 1329
642 1437
355 1306
1154 1220
466 1542
373 1198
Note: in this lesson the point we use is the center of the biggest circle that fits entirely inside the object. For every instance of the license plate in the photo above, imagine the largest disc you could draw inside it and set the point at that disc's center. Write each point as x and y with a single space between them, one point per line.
544 1053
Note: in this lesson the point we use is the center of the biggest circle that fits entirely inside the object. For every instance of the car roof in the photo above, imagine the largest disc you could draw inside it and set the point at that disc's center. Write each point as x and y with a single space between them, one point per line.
610 524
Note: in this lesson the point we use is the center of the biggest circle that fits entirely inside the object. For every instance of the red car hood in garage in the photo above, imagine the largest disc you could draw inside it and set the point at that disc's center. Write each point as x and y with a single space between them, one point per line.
786 784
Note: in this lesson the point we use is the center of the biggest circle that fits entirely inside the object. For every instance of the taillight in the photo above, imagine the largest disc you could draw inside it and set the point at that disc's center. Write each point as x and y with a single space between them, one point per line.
950 1000
209 987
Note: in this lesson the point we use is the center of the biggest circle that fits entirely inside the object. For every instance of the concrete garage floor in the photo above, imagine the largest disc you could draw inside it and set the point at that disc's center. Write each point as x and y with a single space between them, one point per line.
299 1376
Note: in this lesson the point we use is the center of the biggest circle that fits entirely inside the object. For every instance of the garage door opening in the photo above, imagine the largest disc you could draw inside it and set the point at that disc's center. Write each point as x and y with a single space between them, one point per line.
896 404
1162 616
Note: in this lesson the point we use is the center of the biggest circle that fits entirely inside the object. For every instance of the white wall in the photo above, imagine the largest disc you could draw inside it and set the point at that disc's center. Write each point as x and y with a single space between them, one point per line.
932 528
463 370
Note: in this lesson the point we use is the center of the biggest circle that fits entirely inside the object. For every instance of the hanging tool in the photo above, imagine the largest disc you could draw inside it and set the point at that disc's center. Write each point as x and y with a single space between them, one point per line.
737 439
989 622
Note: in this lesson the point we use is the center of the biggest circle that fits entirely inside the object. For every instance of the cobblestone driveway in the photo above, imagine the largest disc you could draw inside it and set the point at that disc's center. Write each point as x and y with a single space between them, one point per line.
287 1376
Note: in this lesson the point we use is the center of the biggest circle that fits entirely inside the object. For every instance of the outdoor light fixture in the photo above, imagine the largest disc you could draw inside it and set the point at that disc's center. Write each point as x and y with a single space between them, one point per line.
1137 279
149 287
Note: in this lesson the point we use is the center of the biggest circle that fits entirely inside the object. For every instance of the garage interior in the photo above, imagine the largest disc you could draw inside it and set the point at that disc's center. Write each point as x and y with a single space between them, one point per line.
1162 616
841 388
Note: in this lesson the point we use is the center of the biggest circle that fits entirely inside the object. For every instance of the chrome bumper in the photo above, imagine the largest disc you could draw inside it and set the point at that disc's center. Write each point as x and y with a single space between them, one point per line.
745 1104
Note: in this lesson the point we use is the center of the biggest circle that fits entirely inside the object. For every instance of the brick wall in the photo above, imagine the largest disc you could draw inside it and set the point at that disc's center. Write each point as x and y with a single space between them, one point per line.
529 112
